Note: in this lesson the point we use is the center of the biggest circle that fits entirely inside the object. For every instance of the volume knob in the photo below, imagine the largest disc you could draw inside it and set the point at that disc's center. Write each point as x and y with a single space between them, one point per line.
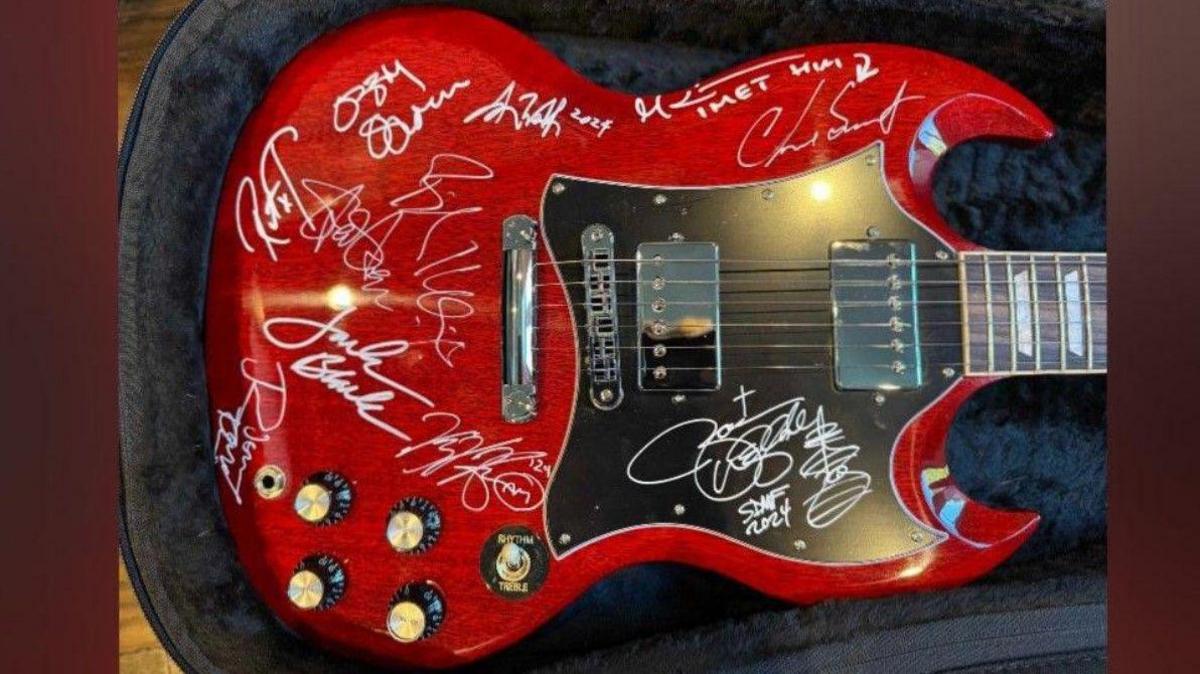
414 525
317 583
323 499
417 612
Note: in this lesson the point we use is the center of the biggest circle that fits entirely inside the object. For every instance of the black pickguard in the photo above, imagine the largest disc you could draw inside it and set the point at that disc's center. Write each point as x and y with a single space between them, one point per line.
592 494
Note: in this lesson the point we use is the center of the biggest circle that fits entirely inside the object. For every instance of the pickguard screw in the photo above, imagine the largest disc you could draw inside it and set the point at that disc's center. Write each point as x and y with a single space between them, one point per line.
564 539
768 194
678 398
679 509
947 372
557 188
677 237
660 199
873 232
941 255
606 395
879 399
871 159
917 537
799 544
683 211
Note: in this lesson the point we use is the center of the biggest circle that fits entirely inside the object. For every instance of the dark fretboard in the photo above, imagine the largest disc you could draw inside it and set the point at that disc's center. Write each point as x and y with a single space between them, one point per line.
1034 313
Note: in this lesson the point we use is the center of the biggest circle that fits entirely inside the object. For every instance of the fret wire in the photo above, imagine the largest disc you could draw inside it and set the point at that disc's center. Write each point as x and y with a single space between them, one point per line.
1036 316
1012 311
991 338
1087 313
966 311
1062 315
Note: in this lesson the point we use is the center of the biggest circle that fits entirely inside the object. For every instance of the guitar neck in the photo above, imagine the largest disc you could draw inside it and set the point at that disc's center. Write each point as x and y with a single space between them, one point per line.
1034 313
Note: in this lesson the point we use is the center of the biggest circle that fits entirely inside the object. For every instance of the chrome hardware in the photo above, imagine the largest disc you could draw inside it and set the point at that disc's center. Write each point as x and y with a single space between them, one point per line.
875 301
600 291
518 391
269 481
306 590
677 298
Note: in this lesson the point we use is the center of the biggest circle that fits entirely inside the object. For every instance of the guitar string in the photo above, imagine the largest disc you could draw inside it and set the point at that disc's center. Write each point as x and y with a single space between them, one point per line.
828 284
810 345
828 304
820 264
902 324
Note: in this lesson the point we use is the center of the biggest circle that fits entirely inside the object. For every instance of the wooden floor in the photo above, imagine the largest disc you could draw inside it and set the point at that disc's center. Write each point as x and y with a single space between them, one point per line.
140 24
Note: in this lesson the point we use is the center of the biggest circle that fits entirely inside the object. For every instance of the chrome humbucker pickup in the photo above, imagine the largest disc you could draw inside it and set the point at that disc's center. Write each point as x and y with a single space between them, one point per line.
600 290
679 345
875 335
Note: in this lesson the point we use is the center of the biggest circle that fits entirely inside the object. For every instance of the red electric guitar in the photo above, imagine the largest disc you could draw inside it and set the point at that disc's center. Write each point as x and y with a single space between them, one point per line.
480 332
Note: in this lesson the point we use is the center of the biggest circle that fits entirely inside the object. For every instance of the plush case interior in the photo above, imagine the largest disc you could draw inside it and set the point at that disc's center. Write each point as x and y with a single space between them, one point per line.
1033 443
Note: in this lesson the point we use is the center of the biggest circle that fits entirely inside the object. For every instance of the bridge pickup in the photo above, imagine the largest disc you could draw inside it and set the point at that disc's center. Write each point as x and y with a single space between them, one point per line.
679 344
518 390
600 290
875 332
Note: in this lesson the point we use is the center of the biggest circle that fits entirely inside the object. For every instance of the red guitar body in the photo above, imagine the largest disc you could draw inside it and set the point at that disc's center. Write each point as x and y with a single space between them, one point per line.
355 299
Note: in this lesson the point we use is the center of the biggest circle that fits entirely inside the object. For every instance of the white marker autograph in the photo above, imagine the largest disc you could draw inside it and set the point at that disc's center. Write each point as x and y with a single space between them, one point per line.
335 215
733 458
766 141
240 432
326 367
767 511
486 470
388 134
534 113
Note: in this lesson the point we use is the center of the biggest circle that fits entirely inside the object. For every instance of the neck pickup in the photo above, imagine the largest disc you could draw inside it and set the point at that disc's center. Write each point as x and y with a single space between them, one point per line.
875 333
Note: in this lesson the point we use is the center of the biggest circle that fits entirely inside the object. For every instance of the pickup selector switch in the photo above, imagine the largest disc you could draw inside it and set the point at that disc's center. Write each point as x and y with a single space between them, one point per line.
514 562
317 583
323 499
417 612
414 525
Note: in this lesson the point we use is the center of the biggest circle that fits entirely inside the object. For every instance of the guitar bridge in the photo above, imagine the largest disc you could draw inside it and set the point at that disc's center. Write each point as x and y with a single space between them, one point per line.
604 348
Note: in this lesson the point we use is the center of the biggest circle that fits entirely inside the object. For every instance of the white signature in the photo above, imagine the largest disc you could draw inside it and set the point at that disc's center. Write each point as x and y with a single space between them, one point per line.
445 304
736 457
711 97
486 470
240 432
767 511
388 134
765 140
329 368
531 111
335 215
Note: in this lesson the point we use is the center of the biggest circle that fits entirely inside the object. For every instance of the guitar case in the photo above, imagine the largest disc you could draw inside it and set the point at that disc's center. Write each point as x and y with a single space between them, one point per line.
1033 443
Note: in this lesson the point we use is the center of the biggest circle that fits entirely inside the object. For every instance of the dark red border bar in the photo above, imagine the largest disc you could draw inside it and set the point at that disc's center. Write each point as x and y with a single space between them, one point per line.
58 345
58 421
1154 380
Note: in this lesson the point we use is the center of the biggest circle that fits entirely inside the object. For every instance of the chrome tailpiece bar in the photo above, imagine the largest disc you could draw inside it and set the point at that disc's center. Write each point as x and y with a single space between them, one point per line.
518 394
600 288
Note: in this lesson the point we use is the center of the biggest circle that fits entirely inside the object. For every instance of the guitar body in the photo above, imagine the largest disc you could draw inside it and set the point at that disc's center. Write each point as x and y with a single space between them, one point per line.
356 313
